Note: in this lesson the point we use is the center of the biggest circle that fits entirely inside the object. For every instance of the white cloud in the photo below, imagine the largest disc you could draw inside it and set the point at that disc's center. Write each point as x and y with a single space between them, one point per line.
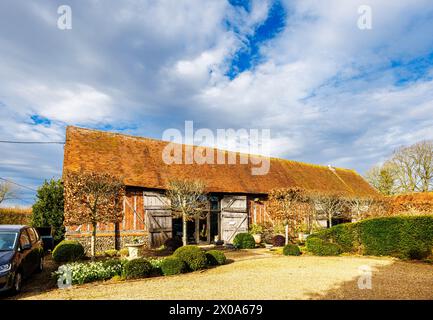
323 87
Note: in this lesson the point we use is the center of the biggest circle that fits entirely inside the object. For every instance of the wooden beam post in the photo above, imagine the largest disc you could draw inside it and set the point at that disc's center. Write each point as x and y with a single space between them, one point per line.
197 229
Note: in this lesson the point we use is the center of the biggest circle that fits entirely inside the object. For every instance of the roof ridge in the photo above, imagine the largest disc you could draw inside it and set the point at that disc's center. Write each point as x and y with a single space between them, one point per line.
122 135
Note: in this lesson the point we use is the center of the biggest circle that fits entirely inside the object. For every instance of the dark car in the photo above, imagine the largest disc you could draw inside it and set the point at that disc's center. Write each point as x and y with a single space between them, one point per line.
21 254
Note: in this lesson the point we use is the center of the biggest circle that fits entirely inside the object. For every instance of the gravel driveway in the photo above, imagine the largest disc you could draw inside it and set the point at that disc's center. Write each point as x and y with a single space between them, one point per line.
272 277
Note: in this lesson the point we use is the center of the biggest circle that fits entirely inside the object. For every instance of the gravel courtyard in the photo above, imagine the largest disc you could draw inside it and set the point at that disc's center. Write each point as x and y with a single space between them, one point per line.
271 277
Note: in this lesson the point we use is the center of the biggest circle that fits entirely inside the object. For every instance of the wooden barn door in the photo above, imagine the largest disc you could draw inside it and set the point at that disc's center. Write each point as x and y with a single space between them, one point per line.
234 217
158 218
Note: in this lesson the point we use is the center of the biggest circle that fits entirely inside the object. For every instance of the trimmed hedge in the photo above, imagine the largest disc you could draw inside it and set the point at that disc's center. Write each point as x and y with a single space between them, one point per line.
291 250
193 256
244 241
172 265
406 237
68 251
321 247
137 268
215 257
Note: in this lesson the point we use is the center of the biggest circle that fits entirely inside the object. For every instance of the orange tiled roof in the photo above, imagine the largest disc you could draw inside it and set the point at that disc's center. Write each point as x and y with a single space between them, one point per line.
139 162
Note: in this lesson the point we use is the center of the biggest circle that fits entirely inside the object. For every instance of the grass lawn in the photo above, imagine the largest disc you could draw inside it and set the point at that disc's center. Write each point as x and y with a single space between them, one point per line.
267 276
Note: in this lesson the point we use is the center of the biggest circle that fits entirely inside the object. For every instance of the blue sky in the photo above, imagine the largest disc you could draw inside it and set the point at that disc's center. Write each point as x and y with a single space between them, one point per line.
329 92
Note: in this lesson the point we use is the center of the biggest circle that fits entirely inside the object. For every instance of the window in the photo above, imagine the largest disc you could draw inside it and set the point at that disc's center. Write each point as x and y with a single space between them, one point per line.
24 238
33 235
7 240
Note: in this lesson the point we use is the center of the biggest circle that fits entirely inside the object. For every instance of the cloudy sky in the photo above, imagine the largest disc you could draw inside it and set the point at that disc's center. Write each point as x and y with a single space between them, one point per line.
330 92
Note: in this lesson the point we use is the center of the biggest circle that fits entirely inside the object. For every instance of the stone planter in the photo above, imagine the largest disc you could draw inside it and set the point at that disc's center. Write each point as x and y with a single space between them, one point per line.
135 250
257 238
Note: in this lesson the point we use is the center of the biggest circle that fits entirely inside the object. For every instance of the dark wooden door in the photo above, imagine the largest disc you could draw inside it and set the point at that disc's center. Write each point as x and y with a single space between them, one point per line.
158 218
234 217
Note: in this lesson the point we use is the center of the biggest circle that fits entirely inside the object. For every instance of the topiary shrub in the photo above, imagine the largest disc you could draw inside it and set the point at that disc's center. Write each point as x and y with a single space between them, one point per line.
137 268
193 256
172 265
215 257
68 251
278 241
321 247
173 243
291 250
244 241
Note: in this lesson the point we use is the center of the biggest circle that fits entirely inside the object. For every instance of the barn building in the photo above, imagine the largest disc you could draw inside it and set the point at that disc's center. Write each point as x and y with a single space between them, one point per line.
235 193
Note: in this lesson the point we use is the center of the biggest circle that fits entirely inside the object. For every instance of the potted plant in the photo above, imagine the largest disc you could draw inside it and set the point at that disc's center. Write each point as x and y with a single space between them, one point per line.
135 248
256 230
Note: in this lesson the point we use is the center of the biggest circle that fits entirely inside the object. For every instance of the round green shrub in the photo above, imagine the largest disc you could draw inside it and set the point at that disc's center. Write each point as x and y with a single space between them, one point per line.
278 240
244 241
137 268
193 256
215 257
172 265
320 247
68 251
291 250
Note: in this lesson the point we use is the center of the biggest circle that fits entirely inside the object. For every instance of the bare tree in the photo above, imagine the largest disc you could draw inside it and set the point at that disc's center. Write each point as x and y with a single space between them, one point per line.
360 206
290 206
382 178
93 198
7 191
330 205
414 167
188 201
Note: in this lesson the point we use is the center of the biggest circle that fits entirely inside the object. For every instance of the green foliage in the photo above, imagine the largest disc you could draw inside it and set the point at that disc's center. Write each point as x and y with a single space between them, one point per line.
244 241
68 251
256 229
172 265
48 208
193 256
91 271
137 268
215 257
321 247
406 237
156 266
291 250
124 252
111 253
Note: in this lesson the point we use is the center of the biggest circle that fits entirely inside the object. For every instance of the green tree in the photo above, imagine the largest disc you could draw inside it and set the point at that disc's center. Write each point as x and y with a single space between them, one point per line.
48 208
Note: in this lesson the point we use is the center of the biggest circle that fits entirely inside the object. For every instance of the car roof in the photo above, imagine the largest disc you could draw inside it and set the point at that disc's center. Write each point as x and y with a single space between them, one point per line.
12 227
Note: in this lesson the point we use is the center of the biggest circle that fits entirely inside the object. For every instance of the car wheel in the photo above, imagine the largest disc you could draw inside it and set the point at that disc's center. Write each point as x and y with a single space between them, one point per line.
18 282
40 265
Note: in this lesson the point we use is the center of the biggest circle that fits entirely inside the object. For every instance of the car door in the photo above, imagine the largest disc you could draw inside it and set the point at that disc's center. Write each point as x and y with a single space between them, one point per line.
24 251
36 250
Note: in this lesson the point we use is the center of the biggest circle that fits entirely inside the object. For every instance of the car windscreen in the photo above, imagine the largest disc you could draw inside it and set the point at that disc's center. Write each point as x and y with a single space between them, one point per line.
8 240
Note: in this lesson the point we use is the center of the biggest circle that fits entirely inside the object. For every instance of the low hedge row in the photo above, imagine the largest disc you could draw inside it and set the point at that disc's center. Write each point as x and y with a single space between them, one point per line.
184 259
406 237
